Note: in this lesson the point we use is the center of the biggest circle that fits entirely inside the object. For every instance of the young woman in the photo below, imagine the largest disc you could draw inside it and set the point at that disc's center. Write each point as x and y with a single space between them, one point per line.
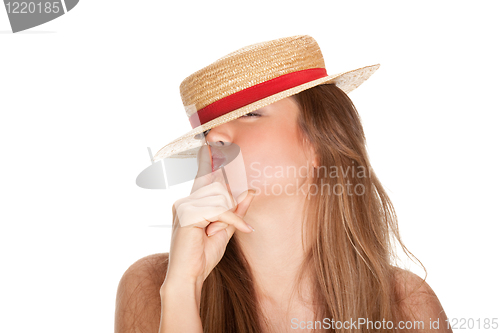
301 250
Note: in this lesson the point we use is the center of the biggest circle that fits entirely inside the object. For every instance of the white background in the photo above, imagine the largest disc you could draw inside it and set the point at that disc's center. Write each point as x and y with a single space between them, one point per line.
83 96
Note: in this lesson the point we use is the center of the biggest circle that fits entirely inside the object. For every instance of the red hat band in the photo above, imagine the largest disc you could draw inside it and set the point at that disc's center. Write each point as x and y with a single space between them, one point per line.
255 93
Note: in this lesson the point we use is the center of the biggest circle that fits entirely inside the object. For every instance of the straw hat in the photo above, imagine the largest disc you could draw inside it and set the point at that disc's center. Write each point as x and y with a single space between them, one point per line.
249 79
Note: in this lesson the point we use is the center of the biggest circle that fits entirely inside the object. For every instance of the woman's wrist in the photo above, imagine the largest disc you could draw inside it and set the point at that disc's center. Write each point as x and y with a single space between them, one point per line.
174 286
180 306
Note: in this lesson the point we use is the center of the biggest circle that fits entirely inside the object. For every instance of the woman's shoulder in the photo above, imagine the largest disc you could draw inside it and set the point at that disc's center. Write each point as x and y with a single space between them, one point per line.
416 298
408 283
411 288
152 259
152 268
146 274
138 303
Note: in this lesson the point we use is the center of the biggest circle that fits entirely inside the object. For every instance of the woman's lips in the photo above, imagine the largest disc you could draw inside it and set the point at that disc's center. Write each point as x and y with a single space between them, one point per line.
217 162
219 157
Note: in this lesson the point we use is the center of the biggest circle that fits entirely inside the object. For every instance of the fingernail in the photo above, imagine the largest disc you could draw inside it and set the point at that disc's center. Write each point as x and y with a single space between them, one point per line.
250 227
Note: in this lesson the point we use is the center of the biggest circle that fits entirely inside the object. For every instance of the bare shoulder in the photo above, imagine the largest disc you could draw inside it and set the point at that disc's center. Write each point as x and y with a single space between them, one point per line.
149 270
147 266
418 301
138 302
409 283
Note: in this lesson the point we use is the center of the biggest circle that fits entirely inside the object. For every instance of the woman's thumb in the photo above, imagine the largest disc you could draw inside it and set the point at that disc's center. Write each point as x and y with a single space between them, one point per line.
242 207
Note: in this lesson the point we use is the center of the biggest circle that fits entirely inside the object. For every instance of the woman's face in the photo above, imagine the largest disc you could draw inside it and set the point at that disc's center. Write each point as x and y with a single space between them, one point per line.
275 161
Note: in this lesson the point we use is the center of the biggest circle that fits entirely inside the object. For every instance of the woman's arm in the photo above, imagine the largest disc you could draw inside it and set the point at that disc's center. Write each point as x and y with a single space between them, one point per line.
138 302
180 307
147 302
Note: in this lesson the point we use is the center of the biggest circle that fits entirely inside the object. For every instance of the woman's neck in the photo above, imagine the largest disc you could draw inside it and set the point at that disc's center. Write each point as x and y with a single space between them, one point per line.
274 251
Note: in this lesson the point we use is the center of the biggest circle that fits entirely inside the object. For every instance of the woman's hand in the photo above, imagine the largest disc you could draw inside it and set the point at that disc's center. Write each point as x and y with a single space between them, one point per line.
203 224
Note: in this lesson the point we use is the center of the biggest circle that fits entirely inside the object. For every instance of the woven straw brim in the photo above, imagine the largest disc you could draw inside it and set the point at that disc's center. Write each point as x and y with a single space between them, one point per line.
182 147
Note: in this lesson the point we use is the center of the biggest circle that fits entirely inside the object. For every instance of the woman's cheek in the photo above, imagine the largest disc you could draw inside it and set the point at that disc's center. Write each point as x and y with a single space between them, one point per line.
275 179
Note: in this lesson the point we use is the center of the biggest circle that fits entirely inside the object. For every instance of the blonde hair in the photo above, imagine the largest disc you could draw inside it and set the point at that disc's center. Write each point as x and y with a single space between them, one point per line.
350 237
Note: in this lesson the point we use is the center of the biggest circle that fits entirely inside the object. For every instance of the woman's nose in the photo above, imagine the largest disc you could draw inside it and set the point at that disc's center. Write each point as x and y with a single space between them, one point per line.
218 136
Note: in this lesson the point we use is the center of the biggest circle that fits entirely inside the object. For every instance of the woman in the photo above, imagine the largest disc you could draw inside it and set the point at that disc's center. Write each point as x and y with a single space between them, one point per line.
299 250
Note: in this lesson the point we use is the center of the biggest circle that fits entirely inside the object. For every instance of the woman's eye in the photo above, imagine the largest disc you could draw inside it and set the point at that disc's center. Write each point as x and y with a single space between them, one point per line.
251 114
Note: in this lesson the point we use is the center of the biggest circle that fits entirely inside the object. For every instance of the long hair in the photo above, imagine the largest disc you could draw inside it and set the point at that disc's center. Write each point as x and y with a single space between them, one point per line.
351 230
